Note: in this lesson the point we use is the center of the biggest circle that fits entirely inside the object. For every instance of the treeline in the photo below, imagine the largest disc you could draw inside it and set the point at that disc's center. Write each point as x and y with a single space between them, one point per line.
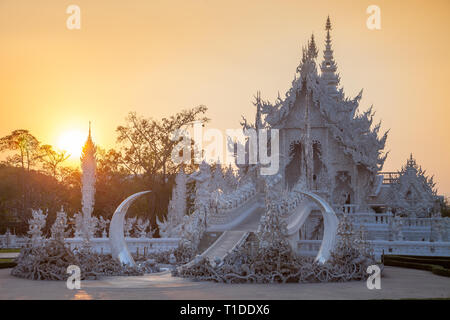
34 175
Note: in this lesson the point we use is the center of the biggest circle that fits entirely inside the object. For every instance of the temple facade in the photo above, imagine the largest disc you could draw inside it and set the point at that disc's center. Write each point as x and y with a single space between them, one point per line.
324 139
331 157
407 193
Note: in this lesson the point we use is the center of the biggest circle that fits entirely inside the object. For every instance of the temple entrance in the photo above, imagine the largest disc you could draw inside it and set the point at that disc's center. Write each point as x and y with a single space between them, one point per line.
318 166
312 229
343 193
293 170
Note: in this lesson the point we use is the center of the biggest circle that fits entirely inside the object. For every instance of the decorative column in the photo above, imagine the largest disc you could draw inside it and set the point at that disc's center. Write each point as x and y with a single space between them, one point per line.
88 166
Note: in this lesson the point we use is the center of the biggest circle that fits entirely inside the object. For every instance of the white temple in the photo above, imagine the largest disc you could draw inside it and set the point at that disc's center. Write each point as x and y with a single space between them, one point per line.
331 150
331 157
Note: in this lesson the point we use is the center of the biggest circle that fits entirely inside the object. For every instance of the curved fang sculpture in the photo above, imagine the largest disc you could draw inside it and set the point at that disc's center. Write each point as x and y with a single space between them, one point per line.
119 249
330 222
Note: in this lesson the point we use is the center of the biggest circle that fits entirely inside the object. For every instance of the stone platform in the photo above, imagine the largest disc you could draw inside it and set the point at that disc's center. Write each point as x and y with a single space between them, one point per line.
397 283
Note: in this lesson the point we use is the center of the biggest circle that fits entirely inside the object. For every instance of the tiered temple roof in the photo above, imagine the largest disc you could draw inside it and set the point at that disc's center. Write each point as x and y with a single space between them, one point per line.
353 130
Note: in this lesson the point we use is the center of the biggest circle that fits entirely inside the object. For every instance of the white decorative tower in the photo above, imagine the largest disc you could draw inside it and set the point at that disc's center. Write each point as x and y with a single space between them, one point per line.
174 222
329 66
88 165
59 226
35 225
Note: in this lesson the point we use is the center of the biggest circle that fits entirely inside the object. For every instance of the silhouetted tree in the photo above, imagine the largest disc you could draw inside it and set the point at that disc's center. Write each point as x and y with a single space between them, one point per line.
146 147
25 144
51 160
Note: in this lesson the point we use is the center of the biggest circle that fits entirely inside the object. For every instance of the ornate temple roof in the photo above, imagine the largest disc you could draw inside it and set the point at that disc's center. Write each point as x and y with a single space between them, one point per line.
352 130
413 191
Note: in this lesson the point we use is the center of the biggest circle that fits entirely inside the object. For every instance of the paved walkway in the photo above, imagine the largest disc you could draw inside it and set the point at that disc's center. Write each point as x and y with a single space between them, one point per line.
397 283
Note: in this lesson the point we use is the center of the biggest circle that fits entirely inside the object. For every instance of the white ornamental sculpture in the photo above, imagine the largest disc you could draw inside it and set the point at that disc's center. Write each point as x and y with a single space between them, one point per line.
202 186
173 225
103 225
230 179
77 227
397 228
59 227
119 249
88 166
10 239
93 227
128 226
141 226
193 228
35 225
218 180
195 224
150 232
413 193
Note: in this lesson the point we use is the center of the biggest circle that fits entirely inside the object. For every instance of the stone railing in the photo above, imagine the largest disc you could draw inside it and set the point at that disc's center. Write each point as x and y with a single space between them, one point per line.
13 241
226 217
287 204
235 199
228 207
101 245
417 248
385 219
345 208
308 247
424 222
369 218
139 246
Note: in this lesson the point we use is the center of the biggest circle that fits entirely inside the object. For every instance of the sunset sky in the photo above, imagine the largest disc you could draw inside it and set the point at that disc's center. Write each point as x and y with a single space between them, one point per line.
158 57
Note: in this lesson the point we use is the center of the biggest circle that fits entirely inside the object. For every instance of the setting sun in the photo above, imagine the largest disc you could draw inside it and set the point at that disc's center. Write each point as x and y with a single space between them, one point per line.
72 142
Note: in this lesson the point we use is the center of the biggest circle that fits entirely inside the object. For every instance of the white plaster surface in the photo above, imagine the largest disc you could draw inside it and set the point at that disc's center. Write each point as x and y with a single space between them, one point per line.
397 283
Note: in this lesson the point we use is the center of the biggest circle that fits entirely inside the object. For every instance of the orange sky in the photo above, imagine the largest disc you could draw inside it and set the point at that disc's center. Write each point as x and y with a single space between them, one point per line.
157 57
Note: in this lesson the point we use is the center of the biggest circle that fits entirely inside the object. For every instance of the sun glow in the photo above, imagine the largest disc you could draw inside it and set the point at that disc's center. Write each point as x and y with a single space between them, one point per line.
72 142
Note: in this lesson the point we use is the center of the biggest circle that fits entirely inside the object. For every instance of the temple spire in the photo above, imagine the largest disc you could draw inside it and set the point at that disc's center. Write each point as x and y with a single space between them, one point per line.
329 66
258 122
411 162
88 178
312 49
328 24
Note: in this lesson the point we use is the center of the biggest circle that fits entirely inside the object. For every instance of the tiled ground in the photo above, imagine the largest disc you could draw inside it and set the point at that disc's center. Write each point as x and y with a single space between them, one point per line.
396 283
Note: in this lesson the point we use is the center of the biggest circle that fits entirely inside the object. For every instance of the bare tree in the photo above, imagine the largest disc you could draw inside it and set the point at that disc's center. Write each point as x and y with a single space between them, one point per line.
146 144
145 148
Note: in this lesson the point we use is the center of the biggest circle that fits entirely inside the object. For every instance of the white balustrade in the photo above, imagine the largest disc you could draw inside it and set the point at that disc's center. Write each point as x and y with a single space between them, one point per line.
229 205
135 245
417 248
101 245
345 208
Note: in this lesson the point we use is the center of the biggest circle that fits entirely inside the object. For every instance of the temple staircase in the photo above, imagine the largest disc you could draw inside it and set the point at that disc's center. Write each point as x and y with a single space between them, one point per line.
224 244
229 239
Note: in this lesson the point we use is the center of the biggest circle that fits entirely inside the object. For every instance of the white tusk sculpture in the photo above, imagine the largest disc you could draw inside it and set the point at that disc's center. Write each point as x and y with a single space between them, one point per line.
119 248
330 222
